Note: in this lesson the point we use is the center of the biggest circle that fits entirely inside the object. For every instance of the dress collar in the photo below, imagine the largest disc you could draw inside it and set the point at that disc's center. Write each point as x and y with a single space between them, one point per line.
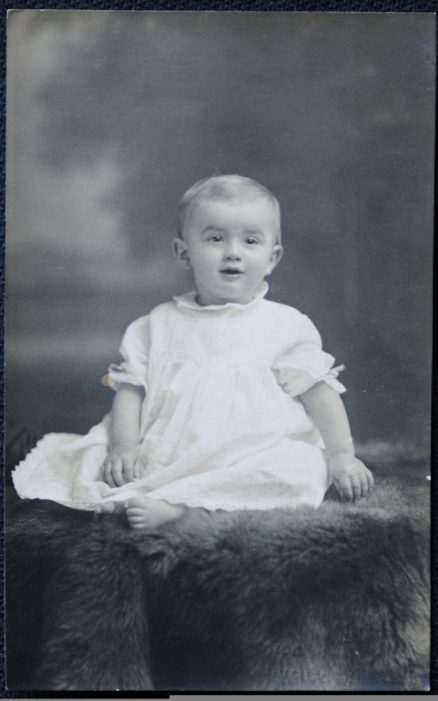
189 301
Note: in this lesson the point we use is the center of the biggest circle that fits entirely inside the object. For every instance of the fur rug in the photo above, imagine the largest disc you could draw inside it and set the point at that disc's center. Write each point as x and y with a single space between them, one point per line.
332 599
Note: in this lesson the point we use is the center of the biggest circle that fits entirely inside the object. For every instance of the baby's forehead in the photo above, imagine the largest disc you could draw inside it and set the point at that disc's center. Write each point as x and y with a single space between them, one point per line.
223 214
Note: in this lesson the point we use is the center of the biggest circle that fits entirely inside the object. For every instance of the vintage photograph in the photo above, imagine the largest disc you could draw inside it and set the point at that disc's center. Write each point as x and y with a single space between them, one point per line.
219 247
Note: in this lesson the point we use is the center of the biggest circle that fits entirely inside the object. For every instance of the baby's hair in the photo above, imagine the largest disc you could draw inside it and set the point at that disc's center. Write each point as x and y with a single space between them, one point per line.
231 188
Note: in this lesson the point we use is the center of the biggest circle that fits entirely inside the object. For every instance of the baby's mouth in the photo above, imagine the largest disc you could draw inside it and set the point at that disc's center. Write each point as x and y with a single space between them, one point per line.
231 272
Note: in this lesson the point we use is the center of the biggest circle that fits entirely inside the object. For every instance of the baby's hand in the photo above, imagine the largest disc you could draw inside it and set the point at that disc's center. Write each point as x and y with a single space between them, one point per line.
350 476
123 464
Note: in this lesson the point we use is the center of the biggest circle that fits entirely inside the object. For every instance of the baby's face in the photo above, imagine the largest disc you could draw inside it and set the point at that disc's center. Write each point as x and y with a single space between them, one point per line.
231 248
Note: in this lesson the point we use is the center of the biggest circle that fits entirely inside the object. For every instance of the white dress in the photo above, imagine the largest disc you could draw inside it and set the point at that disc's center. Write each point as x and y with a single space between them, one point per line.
222 424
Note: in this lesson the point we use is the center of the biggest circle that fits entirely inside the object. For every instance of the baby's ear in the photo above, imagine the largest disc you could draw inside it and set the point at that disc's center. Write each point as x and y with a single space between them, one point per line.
276 254
181 252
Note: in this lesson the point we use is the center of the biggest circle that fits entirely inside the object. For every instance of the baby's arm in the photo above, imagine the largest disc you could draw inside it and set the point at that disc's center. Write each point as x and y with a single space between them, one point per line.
123 463
325 407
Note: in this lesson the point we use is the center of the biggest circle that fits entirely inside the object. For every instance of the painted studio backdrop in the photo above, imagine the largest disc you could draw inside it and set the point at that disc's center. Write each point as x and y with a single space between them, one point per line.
111 116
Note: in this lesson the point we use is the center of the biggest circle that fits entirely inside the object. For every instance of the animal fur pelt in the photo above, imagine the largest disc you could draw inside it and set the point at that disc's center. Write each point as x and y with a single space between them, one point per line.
332 599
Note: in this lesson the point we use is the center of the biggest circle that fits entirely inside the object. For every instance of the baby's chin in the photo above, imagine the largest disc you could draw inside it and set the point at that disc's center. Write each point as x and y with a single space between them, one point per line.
230 289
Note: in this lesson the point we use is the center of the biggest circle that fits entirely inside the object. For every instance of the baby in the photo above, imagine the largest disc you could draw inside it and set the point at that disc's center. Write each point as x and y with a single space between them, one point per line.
224 400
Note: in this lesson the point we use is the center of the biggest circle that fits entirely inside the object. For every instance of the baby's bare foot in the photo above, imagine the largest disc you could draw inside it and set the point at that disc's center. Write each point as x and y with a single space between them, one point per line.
143 512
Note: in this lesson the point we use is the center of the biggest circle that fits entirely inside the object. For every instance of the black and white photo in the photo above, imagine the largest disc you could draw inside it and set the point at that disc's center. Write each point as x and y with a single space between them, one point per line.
219 243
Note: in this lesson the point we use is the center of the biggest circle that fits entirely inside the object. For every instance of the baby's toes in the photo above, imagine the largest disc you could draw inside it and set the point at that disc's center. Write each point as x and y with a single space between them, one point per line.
137 525
135 519
135 512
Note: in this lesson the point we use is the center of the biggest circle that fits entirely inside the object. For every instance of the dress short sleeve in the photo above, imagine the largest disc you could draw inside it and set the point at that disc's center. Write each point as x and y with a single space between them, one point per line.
134 350
303 363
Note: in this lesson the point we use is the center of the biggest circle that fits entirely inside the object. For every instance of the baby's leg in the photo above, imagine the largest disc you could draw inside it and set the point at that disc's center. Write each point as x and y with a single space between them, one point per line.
143 512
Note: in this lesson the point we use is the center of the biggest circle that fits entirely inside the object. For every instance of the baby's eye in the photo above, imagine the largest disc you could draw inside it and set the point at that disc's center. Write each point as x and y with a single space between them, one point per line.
251 241
215 238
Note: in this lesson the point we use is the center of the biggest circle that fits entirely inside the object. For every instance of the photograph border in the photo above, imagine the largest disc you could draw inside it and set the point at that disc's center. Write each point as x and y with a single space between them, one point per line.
360 6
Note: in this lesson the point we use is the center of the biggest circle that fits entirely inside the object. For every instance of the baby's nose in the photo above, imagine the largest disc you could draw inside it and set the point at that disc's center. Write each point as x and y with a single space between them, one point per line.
232 253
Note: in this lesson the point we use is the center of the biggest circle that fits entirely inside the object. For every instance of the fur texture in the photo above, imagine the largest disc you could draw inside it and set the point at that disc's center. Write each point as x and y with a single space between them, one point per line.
332 599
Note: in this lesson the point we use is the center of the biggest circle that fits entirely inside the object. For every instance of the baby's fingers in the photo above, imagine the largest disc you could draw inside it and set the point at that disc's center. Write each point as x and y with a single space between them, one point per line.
364 484
128 469
367 481
345 488
102 471
107 472
117 473
357 487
